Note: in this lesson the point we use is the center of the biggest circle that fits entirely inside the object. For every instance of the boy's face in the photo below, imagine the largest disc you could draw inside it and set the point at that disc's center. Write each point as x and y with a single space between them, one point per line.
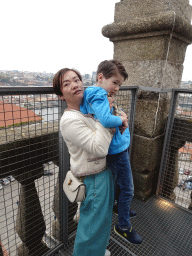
112 84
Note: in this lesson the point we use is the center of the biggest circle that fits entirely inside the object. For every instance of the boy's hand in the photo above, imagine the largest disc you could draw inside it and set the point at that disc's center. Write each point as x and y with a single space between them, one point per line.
123 127
124 117
111 100
123 114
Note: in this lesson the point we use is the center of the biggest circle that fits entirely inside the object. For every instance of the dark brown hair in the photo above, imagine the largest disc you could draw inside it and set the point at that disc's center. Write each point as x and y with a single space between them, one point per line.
58 77
111 68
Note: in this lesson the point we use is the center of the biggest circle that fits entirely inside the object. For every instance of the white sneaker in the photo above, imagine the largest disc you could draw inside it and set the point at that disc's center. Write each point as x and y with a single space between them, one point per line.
77 214
107 253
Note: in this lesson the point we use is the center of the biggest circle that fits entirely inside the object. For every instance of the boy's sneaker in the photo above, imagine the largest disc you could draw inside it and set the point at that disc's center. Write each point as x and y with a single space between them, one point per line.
132 213
107 253
129 235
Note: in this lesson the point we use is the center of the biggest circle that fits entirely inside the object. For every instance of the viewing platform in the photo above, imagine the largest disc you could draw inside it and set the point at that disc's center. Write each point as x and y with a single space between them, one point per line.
35 215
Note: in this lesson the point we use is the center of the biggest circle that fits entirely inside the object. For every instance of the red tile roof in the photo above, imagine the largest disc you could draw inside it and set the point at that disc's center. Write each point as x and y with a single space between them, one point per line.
11 114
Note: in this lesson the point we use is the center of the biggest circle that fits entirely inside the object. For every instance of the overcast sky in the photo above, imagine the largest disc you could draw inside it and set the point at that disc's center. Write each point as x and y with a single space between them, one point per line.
46 35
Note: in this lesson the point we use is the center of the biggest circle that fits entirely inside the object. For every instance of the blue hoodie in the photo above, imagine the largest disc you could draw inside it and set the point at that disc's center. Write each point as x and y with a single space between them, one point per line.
96 102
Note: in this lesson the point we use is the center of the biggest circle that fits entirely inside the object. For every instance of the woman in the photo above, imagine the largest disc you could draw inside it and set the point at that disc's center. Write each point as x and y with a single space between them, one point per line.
88 142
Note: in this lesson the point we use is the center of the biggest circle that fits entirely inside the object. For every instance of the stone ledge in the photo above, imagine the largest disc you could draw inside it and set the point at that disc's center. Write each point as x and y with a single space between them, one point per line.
160 22
13 134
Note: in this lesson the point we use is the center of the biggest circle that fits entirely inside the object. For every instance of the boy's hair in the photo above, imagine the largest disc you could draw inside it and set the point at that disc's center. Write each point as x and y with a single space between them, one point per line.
110 68
57 79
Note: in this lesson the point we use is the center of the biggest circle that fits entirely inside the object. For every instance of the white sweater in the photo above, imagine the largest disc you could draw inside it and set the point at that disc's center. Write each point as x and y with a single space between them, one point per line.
87 141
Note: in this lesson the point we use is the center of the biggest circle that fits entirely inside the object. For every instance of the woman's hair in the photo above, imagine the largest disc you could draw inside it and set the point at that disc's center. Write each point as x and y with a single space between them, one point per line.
57 79
111 68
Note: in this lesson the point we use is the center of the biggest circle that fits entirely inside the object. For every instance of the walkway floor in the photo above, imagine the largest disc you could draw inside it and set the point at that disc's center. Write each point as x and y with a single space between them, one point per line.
166 230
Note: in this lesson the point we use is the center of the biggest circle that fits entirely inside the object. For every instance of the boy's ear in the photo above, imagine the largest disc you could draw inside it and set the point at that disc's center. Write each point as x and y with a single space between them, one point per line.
100 77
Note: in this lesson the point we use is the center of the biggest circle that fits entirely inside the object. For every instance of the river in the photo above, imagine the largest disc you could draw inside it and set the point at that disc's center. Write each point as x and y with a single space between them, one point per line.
48 114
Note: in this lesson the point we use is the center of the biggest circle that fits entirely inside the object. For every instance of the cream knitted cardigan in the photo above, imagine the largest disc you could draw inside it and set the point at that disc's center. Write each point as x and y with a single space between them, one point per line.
87 141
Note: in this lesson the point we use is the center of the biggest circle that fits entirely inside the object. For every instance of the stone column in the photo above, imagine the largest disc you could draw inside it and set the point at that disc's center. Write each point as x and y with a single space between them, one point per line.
30 224
72 208
150 38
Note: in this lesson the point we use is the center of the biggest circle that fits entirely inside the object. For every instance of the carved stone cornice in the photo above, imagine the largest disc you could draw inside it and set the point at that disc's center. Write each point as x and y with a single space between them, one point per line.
139 26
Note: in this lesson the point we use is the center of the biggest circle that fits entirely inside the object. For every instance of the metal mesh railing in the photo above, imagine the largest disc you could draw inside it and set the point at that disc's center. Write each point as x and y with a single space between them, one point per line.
175 181
156 218
35 212
35 215
29 169
126 99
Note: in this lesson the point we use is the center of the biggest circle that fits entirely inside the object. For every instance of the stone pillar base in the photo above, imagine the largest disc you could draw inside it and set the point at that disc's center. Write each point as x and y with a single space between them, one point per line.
146 153
55 229
23 250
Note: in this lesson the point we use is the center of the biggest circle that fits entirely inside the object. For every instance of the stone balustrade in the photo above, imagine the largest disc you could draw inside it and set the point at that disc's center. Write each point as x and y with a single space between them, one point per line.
23 155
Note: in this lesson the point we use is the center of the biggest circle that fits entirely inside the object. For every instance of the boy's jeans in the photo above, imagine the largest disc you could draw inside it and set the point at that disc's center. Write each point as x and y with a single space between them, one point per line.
124 188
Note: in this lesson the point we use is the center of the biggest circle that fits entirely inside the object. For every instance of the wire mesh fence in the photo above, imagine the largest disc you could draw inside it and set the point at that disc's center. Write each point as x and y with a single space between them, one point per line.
35 216
29 169
32 219
126 99
176 169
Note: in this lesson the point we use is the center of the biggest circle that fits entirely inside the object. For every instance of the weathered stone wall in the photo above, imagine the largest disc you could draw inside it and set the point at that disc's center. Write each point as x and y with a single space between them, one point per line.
150 38
137 9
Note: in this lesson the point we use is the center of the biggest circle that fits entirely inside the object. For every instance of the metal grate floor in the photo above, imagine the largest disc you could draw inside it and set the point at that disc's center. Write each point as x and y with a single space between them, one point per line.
165 228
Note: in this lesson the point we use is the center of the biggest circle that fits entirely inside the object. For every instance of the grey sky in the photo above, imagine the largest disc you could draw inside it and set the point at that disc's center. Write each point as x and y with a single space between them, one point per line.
46 35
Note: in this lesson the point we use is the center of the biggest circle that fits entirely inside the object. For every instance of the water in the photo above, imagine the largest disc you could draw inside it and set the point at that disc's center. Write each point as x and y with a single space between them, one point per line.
48 114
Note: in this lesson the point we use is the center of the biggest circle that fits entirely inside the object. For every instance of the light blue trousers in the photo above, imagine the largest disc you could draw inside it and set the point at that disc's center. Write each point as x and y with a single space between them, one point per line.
94 225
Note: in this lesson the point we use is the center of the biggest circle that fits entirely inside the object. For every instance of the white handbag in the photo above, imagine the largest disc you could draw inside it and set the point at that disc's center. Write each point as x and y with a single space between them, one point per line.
74 188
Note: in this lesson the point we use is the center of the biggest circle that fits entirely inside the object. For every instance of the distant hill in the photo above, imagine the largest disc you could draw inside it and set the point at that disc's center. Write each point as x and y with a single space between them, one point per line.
24 78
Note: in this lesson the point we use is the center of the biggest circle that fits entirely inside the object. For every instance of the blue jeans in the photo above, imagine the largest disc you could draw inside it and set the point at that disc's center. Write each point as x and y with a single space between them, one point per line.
94 225
124 188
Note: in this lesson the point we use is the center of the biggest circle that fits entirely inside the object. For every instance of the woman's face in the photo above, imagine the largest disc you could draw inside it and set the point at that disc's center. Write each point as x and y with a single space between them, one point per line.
71 87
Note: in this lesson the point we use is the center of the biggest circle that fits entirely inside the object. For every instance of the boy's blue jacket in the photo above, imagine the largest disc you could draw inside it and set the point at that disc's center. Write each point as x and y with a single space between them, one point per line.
95 102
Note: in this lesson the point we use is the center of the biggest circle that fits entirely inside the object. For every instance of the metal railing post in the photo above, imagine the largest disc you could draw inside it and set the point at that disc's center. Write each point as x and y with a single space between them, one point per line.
167 137
63 168
132 116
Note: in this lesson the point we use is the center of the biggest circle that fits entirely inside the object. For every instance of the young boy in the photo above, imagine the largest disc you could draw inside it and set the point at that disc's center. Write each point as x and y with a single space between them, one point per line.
110 75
